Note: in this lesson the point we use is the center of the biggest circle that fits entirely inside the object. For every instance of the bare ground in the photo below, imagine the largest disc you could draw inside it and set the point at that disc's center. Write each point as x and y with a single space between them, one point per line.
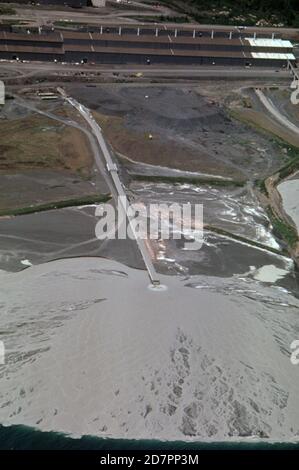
189 131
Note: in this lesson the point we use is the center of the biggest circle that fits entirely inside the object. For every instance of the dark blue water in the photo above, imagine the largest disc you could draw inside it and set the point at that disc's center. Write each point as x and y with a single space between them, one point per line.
22 437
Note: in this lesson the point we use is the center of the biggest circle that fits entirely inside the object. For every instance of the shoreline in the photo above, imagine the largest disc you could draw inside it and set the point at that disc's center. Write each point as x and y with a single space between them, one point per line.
42 439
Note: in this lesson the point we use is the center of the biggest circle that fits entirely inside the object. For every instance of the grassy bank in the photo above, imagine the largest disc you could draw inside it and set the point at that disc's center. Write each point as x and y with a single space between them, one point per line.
292 154
188 180
239 238
261 184
289 152
292 166
7 10
85 200
68 24
285 231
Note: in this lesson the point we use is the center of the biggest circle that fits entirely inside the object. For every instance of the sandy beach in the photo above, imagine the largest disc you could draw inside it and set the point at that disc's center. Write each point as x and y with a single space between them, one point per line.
90 349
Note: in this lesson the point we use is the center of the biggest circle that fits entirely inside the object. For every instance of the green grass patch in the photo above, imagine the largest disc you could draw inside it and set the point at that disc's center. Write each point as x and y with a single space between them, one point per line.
85 200
7 10
286 231
288 169
291 154
261 184
68 24
174 19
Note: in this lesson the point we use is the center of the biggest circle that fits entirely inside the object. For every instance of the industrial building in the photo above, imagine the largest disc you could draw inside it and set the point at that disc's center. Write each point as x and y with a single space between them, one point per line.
69 3
140 45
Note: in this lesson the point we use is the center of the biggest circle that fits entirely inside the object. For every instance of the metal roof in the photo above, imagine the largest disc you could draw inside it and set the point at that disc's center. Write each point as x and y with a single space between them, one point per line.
146 45
160 39
275 43
30 49
140 41
53 37
273 55
151 51
134 38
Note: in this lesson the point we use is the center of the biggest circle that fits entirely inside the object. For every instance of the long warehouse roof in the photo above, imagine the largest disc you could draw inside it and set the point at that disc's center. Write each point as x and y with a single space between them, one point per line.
68 36
53 37
19 49
150 51
149 38
130 44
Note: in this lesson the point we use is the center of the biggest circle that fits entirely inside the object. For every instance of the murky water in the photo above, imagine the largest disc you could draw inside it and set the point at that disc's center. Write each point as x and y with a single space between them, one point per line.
91 350
235 210
64 233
